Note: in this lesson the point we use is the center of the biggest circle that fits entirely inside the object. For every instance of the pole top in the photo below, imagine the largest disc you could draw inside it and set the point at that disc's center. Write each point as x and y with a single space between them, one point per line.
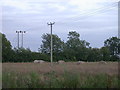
20 31
51 23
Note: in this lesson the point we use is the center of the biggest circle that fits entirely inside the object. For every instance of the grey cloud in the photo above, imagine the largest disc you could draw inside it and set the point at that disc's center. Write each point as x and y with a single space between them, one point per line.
93 27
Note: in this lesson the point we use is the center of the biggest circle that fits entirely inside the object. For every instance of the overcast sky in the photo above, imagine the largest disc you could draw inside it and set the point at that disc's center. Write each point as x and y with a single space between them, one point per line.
94 20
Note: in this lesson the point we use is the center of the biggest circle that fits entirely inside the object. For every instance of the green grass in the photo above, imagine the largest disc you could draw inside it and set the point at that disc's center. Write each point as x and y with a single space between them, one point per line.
53 80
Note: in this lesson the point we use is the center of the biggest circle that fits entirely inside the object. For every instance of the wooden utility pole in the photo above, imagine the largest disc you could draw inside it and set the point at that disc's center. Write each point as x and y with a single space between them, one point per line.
18 38
51 40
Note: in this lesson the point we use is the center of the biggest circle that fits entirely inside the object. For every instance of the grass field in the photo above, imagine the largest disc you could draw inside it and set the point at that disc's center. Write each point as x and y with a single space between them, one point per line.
66 75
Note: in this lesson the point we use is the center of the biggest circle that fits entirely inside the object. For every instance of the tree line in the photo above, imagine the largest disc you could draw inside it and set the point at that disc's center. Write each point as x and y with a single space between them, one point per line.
74 49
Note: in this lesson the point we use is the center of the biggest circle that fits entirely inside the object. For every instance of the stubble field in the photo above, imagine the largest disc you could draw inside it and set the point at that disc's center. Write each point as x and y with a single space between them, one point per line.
64 75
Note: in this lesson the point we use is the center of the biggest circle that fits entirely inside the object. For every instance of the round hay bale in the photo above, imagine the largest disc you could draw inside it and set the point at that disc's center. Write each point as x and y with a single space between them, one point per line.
36 61
102 62
39 61
61 61
80 62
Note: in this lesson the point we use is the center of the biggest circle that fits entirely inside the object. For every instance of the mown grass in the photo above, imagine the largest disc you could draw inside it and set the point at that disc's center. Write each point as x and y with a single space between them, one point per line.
53 80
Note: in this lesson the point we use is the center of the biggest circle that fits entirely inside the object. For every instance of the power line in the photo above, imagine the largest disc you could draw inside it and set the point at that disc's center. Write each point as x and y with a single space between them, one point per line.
86 15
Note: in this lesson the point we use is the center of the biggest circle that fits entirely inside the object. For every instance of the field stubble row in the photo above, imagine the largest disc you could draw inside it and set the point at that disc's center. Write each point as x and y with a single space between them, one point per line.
110 68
